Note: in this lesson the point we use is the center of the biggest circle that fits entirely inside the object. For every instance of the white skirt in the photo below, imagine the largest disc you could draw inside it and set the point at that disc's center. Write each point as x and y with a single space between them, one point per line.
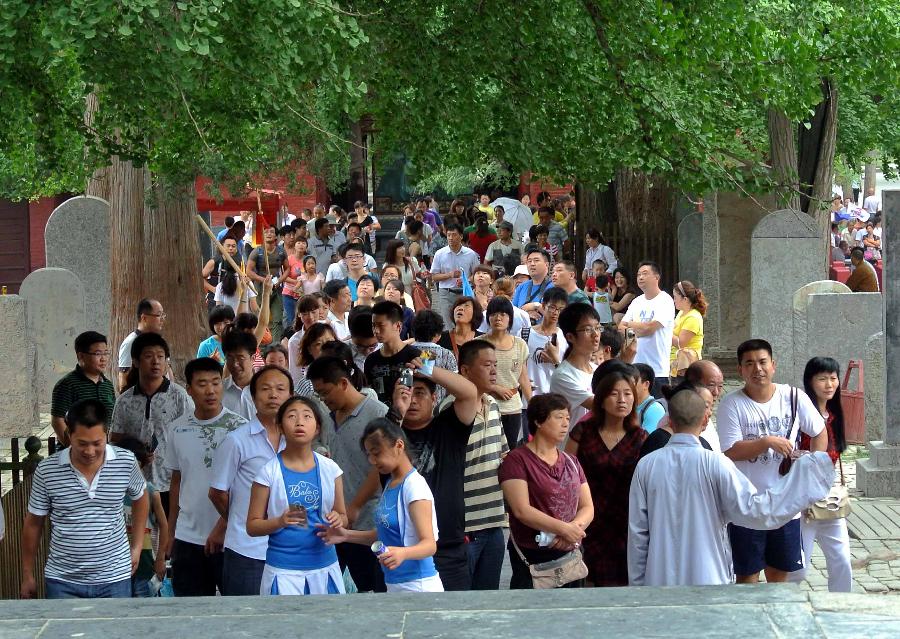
281 581
427 584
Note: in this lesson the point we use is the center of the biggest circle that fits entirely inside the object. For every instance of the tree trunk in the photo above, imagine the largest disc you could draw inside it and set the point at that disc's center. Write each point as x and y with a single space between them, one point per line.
869 175
98 183
154 253
783 158
816 163
645 203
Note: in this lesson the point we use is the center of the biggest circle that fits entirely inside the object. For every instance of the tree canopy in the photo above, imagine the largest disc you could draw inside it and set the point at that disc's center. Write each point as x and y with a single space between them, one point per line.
569 89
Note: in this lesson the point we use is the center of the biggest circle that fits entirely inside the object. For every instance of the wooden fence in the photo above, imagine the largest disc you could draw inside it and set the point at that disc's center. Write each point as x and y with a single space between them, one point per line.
632 249
15 506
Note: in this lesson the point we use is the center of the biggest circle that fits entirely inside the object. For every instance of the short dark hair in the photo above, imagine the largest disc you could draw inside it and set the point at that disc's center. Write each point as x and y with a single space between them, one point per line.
555 294
858 252
360 322
356 224
646 373
477 311
87 339
534 248
136 447
201 365
220 313
329 370
298 223
246 321
540 407
147 340
653 267
468 352
144 307
229 221
265 369
352 244
333 288
613 339
454 227
307 304
426 324
275 348
88 413
391 310
320 223
287 229
236 340
751 345
501 304
571 317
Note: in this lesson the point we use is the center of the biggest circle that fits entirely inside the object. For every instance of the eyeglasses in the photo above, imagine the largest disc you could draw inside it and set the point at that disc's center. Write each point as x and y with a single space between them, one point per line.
354 257
159 315
98 353
554 309
590 330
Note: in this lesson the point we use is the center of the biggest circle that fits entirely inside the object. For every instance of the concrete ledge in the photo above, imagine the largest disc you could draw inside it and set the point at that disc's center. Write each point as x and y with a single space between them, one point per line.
726 611
875 480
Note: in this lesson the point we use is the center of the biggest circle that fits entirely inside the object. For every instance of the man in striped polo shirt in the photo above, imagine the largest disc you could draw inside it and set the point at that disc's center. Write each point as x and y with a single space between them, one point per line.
82 488
485 512
87 381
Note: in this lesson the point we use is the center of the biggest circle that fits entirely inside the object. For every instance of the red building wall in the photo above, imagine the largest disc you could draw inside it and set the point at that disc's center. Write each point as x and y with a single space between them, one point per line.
533 188
38 213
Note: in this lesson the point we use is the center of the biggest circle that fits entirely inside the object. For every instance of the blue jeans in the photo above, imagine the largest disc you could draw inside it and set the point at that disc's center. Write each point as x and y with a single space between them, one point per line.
241 575
290 309
140 587
486 550
66 590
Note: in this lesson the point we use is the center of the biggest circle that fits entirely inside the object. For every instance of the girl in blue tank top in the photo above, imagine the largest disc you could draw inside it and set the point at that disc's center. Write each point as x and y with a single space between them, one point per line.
405 534
292 494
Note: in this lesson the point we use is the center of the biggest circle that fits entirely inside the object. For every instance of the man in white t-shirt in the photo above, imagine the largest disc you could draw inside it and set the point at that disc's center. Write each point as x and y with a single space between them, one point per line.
199 530
758 426
150 316
872 203
652 318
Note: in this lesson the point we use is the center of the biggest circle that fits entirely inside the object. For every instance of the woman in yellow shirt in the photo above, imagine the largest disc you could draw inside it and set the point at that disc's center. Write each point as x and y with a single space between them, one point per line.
687 338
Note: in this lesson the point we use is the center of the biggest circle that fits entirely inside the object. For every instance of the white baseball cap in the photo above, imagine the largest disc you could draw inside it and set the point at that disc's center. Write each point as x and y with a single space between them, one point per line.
521 269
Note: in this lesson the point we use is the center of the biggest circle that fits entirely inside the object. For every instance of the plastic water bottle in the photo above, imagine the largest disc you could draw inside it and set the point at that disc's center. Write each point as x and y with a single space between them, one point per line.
544 539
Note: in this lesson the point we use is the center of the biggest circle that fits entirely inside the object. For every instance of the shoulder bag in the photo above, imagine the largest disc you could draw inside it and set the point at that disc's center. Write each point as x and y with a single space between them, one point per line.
836 504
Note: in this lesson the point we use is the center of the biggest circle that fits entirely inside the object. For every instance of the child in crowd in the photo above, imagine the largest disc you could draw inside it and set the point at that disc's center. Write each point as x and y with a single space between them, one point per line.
157 526
295 492
598 268
220 318
405 534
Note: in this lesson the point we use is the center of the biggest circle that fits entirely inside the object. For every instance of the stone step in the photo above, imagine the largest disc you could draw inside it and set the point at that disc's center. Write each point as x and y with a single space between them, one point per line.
884 455
877 481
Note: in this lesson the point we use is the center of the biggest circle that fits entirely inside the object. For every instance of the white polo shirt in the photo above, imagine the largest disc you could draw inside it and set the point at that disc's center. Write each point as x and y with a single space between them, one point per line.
88 543
237 460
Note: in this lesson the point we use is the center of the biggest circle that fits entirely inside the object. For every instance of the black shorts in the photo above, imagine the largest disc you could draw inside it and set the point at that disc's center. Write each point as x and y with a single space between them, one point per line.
753 550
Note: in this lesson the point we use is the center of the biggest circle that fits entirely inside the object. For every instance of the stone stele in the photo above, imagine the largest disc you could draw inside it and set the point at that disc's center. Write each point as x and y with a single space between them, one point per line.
77 239
54 313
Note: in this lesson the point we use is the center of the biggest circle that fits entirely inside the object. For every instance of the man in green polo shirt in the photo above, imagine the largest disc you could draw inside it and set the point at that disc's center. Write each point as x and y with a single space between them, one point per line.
85 382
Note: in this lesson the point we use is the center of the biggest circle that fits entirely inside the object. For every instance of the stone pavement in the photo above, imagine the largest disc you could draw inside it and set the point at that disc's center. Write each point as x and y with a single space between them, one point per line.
733 612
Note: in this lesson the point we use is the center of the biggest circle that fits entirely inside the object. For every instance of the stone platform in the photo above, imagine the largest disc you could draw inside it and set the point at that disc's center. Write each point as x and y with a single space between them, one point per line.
732 611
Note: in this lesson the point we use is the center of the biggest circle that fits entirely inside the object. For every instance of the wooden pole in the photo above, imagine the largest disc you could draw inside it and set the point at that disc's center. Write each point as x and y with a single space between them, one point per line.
217 244
260 217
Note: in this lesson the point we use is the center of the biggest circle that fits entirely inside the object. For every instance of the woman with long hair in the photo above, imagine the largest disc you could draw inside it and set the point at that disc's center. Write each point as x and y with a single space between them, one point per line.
622 292
394 291
396 255
391 272
234 290
294 495
608 446
687 335
597 248
512 368
822 382
546 493
405 535
467 316
481 237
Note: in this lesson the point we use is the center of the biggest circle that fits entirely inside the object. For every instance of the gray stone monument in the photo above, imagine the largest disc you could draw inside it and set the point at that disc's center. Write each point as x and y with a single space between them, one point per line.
54 314
794 369
690 248
77 239
19 416
785 253
709 268
879 476
873 367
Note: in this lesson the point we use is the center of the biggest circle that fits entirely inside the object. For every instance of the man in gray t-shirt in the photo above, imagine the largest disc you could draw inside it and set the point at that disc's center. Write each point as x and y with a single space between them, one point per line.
350 412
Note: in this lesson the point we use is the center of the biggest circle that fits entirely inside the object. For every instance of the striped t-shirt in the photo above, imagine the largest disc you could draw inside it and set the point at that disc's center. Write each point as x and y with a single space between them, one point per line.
481 486
88 544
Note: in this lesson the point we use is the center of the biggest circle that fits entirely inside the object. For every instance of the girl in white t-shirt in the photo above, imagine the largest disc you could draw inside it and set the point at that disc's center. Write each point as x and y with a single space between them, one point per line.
581 327
406 532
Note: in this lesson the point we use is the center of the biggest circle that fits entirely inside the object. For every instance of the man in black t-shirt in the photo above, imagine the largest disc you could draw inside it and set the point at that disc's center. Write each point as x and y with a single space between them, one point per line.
256 271
438 446
383 367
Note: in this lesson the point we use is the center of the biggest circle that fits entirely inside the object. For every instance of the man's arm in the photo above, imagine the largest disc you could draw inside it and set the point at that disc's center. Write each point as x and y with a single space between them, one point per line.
251 267
140 508
751 448
467 399
219 499
59 427
174 494
366 491
31 533
638 532
641 329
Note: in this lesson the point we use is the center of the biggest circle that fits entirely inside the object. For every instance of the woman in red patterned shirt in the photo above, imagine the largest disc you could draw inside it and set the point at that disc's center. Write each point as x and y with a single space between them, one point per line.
608 445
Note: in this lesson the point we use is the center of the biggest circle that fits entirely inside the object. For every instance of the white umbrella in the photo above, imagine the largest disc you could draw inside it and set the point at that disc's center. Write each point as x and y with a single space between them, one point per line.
515 213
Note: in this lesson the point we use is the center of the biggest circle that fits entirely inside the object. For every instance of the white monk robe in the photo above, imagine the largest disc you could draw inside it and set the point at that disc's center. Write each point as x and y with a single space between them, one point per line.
681 499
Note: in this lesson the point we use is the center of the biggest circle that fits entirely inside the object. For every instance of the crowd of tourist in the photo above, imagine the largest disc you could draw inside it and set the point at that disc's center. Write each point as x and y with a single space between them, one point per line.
856 240
349 426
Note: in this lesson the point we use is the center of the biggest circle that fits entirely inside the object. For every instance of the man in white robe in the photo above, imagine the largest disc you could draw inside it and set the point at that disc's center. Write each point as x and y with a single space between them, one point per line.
683 496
